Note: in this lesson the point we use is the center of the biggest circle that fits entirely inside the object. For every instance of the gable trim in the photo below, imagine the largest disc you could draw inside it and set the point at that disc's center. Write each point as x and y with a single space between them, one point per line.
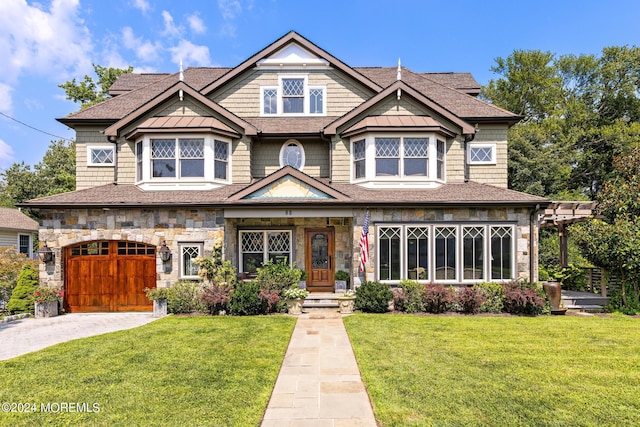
281 173
115 129
466 128
276 46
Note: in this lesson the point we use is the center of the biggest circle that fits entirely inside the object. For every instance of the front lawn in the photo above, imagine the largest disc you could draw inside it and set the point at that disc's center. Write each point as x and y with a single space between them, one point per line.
499 371
217 371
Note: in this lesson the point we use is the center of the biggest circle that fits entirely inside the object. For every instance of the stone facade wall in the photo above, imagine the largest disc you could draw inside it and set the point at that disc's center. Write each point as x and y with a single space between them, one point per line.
61 228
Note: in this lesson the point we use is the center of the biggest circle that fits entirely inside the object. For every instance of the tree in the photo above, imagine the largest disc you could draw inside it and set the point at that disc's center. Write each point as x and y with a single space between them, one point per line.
54 174
89 92
578 113
613 242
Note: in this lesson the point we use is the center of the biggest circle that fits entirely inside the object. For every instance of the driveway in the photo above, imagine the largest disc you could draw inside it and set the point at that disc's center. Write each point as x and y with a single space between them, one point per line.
30 334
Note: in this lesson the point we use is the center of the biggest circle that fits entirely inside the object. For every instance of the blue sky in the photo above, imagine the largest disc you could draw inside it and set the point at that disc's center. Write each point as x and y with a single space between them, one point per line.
45 43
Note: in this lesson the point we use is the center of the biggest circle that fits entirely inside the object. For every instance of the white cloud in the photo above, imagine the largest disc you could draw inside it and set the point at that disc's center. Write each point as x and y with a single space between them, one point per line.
190 54
53 43
6 155
229 8
142 5
6 102
145 50
196 24
170 28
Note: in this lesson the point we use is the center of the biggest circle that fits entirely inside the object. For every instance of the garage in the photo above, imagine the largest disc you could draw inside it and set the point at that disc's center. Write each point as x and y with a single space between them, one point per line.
109 276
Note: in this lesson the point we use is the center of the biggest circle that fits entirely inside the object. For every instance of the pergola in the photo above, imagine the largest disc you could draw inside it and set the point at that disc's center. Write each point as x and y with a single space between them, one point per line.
562 214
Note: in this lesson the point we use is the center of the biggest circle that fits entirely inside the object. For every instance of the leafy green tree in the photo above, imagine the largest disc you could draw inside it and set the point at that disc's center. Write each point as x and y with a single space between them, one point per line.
613 242
89 92
54 174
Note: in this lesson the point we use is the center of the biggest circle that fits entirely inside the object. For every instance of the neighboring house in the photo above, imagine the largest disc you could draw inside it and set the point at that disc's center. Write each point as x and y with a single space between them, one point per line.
280 158
17 231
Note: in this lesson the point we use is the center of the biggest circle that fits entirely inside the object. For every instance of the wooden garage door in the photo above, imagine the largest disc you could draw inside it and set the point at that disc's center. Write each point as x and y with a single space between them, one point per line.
109 276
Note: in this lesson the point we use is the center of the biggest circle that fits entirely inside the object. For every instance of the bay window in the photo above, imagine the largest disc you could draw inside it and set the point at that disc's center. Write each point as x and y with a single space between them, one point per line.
448 253
397 160
191 160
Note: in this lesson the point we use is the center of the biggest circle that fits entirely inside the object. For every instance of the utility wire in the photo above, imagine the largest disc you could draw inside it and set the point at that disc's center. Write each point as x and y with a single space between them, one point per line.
34 128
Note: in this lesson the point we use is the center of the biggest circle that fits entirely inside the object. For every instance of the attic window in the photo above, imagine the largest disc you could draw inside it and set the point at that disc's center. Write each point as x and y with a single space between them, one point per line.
293 96
482 154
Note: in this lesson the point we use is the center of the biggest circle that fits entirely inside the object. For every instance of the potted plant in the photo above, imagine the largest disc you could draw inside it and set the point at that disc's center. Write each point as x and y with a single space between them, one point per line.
342 280
295 298
347 302
159 297
46 301
303 279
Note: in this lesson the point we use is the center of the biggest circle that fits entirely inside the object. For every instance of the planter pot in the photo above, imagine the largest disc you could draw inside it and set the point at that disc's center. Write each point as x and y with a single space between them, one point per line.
160 308
46 309
346 305
340 286
294 306
553 291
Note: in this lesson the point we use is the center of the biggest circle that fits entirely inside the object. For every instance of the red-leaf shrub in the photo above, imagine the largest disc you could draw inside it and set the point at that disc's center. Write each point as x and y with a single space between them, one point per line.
438 299
522 300
470 300
216 298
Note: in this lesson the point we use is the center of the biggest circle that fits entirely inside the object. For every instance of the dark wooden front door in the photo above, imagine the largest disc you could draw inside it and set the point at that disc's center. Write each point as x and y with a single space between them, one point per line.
109 276
319 259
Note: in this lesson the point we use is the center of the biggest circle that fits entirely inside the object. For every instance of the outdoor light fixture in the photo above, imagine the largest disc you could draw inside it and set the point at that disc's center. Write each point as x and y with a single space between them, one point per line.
165 252
46 254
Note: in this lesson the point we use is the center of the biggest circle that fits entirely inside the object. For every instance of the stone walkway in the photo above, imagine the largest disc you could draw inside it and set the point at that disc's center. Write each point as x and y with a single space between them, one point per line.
26 335
319 382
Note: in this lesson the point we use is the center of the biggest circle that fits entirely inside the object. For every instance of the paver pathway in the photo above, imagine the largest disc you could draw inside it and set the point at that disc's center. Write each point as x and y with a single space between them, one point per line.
319 382
30 334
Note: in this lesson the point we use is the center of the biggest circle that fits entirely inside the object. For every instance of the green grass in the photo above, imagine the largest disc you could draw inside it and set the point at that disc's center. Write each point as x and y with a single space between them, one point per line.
499 371
198 371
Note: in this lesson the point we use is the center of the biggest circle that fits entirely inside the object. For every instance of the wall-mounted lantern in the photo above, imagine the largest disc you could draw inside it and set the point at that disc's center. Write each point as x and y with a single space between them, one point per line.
164 252
46 254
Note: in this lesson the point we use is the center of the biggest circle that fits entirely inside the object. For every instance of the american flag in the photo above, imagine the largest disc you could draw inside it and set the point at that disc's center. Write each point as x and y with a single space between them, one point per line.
364 242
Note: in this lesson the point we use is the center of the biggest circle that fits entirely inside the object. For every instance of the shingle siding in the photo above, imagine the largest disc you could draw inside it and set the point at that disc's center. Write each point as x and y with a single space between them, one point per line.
90 176
266 158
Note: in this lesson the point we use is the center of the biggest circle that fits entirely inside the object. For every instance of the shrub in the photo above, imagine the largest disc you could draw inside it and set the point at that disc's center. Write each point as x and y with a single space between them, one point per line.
470 300
184 297
271 300
216 271
494 294
246 300
216 298
11 263
278 276
523 298
399 299
414 295
21 300
438 299
373 297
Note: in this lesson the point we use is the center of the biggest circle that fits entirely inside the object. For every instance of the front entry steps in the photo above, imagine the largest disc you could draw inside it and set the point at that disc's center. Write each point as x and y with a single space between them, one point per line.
584 301
321 301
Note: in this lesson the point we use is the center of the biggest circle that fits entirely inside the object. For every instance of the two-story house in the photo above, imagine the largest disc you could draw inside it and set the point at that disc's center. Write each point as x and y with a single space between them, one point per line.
281 158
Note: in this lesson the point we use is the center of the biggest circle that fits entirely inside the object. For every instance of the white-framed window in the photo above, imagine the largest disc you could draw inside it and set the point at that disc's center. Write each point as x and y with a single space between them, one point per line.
100 155
25 244
388 160
293 96
259 246
292 154
445 253
360 159
186 160
481 154
188 253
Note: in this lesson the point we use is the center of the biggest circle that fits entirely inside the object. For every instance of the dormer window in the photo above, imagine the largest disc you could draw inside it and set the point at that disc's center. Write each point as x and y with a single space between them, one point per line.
293 96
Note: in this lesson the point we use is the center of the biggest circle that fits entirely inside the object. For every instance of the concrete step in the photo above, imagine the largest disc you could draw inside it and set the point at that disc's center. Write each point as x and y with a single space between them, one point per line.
321 301
584 301
585 308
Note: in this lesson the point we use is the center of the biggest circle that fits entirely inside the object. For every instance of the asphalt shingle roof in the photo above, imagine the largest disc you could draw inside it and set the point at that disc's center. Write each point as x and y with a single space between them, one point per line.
13 219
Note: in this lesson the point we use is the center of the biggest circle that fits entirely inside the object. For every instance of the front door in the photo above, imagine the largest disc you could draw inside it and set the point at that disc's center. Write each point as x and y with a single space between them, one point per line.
319 260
